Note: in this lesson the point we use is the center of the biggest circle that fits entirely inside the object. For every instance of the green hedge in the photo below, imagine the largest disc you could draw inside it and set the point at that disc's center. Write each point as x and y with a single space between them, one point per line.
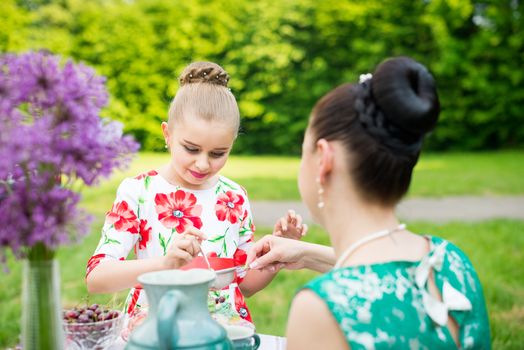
284 55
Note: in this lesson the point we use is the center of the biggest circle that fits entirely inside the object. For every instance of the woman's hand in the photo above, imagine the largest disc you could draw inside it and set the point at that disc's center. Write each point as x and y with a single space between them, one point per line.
274 253
290 226
183 248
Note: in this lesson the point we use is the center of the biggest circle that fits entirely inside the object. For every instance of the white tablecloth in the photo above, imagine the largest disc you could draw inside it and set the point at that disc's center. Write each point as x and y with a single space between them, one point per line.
267 342
271 342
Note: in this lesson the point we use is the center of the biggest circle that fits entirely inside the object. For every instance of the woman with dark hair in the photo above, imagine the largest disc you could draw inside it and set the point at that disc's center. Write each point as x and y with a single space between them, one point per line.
386 287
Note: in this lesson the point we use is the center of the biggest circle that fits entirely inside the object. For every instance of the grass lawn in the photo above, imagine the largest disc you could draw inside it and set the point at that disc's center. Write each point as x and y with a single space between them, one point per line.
275 178
494 247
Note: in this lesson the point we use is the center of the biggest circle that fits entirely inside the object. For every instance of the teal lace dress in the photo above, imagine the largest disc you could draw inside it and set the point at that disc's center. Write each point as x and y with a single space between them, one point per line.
388 306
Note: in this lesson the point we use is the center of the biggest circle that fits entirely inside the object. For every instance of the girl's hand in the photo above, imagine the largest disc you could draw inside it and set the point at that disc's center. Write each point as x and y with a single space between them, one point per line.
183 248
290 226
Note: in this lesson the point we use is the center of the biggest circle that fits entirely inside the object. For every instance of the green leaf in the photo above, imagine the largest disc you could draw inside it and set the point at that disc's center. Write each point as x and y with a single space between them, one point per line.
111 241
162 243
217 238
224 247
224 183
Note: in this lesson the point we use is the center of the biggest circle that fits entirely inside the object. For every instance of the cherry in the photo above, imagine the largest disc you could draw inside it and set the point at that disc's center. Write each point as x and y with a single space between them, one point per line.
88 314
83 318
71 314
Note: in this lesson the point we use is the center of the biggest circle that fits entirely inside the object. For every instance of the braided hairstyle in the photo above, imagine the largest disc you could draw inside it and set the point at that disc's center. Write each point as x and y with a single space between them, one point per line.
203 93
204 72
382 123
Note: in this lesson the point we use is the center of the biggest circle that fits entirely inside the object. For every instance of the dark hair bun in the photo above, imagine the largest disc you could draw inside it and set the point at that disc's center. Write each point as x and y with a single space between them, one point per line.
406 93
204 72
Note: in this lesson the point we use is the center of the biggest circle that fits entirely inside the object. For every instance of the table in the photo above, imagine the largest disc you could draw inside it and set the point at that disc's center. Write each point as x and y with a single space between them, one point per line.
272 342
267 342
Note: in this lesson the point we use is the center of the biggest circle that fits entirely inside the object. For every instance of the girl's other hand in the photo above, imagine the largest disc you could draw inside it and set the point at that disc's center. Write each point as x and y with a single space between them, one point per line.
183 248
290 226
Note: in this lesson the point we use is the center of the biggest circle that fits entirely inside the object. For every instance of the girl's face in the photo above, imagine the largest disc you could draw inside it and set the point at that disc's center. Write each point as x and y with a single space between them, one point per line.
199 150
308 173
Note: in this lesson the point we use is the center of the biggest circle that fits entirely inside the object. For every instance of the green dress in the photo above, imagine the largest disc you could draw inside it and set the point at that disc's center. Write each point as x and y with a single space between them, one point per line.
388 306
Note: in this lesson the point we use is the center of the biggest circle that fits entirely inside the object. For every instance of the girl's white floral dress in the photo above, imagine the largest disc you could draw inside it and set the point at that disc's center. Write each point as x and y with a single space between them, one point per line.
148 211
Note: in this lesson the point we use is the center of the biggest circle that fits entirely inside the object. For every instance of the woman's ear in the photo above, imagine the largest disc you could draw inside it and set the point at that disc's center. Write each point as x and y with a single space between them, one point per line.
165 132
325 159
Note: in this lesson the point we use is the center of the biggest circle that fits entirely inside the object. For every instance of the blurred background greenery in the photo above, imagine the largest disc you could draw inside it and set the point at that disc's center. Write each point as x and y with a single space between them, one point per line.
283 55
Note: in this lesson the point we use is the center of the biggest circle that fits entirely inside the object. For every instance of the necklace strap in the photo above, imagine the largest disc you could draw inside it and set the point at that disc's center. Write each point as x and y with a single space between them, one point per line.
352 247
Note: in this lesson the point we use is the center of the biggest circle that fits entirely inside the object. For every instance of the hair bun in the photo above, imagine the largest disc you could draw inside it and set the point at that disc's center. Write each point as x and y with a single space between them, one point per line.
204 72
406 93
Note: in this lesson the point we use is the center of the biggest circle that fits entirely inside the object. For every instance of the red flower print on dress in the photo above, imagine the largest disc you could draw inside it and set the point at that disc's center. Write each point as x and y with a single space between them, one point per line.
149 173
247 223
240 257
145 235
134 300
178 210
123 218
93 262
241 307
229 207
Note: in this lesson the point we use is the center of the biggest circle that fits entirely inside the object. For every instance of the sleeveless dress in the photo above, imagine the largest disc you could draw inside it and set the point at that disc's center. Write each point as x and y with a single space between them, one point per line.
149 211
388 306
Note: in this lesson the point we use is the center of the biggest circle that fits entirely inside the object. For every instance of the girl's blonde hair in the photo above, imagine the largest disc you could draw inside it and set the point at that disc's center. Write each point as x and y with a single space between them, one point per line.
204 93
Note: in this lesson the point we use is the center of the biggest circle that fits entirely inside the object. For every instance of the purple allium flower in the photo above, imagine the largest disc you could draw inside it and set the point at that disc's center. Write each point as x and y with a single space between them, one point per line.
51 136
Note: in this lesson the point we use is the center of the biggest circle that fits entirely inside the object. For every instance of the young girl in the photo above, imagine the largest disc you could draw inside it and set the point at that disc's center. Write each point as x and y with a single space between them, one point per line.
170 215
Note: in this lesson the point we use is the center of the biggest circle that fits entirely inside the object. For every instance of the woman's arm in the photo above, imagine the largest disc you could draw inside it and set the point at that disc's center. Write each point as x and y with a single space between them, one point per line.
273 253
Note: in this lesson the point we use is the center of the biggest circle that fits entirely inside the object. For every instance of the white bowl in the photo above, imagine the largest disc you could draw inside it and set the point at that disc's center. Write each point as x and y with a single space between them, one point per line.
223 278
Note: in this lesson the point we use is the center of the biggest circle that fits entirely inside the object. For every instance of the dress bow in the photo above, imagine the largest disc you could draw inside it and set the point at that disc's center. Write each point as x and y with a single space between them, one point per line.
452 299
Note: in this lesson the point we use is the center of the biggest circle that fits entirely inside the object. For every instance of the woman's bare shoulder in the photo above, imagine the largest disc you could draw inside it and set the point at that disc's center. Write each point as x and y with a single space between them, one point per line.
311 325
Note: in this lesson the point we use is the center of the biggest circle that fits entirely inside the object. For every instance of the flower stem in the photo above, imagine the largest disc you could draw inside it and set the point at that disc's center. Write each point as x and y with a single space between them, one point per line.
40 252
41 315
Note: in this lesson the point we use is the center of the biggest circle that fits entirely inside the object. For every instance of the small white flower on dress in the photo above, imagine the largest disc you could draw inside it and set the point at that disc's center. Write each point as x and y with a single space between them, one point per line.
364 338
364 315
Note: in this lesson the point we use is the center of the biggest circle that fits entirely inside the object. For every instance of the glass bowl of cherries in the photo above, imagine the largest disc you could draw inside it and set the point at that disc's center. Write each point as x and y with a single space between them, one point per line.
91 327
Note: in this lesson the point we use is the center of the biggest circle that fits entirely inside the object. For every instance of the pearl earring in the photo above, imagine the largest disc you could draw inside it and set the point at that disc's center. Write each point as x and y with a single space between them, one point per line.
320 203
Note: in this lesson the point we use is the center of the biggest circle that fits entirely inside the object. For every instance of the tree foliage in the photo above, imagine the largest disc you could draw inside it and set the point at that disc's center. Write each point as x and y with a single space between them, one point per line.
284 55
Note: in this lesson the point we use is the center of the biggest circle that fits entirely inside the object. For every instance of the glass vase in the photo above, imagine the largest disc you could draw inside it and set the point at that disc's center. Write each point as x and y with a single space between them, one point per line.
41 308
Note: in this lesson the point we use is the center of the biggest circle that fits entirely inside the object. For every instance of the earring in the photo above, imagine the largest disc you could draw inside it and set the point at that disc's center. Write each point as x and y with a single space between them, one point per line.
320 203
